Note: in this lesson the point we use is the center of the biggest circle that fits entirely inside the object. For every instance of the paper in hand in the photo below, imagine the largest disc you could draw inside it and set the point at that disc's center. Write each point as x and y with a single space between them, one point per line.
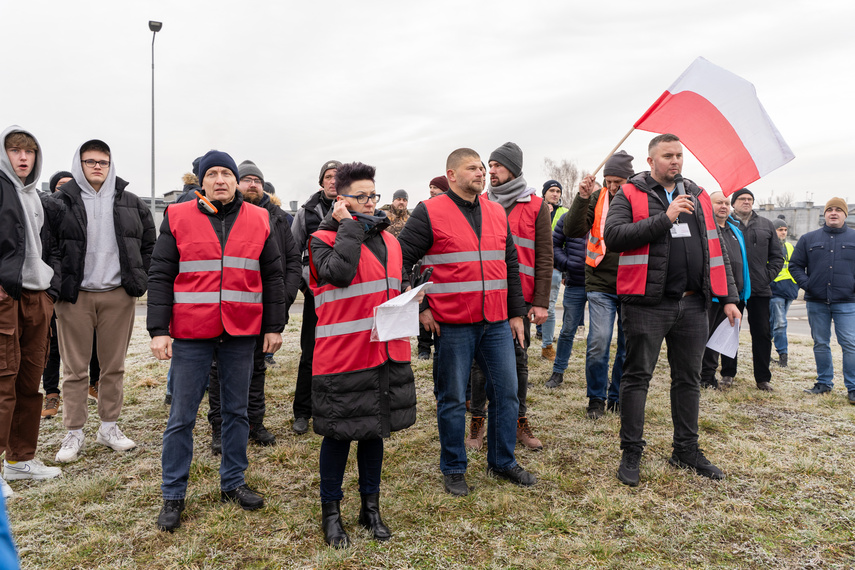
398 317
725 338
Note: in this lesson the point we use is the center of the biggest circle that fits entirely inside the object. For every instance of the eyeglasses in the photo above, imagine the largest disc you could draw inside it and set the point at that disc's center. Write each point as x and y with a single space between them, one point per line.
91 163
252 180
363 198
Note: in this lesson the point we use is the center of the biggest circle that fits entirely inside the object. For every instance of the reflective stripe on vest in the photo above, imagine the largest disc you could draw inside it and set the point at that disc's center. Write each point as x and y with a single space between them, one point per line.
346 314
595 246
217 291
469 273
632 266
785 271
522 221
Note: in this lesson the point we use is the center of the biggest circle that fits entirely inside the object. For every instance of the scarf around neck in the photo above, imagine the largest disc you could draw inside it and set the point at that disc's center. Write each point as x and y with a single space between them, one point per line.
511 191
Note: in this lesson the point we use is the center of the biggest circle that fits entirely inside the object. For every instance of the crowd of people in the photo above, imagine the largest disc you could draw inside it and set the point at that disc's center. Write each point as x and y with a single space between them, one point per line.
650 254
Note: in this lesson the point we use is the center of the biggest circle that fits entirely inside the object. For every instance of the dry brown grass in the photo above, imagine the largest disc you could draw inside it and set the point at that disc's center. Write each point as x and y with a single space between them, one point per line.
787 500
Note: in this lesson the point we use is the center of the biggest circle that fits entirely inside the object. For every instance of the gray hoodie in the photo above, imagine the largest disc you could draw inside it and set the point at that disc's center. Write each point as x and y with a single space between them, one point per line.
35 273
102 270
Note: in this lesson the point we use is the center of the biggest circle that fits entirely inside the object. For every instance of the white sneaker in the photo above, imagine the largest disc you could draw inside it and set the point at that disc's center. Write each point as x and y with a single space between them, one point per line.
114 439
32 469
71 445
7 490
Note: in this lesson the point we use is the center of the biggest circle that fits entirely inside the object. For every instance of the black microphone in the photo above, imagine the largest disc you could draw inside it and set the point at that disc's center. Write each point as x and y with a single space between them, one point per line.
678 178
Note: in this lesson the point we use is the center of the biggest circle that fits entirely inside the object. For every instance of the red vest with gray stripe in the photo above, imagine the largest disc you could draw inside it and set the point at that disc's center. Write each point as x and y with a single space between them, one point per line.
632 268
522 219
346 314
470 274
217 289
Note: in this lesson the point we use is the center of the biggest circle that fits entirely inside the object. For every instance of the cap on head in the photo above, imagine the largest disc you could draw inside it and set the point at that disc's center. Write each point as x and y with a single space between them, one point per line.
95 144
196 166
549 184
214 158
739 193
839 203
440 182
619 164
510 156
57 177
400 194
248 168
328 165
268 187
779 223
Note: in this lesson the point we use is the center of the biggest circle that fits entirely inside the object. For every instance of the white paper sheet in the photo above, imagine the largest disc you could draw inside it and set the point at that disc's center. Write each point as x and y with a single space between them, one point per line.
398 317
725 338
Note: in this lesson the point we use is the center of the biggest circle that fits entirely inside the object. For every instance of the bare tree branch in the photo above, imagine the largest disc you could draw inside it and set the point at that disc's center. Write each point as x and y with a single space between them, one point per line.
567 173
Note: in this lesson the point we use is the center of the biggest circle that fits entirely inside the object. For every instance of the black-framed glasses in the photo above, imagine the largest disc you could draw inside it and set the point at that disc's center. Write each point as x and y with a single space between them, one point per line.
252 180
362 198
91 163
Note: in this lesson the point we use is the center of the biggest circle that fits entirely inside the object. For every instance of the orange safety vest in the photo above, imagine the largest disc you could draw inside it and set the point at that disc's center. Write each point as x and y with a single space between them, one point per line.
470 274
632 267
521 220
217 288
596 246
346 314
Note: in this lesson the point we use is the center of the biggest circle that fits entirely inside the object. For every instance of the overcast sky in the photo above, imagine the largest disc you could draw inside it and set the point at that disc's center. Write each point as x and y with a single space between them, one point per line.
399 85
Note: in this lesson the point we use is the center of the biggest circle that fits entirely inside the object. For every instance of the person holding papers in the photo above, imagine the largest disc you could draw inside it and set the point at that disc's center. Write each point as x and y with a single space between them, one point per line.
734 242
361 390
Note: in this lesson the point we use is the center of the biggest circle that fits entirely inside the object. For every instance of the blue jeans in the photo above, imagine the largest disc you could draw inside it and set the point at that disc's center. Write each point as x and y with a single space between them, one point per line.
820 316
574 312
602 309
548 329
191 360
778 307
169 380
492 347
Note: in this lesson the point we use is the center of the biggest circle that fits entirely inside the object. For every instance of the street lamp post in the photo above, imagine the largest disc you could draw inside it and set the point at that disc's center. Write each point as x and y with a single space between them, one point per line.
154 27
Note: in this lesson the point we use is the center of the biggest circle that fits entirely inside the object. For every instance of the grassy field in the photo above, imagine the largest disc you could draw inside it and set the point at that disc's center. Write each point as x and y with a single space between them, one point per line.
787 501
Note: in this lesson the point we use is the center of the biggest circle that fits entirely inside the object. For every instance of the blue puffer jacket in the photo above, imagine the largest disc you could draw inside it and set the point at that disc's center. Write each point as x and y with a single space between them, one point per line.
823 264
569 255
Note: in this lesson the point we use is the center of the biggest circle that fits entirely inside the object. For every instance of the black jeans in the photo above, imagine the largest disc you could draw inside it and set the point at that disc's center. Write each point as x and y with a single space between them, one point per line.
425 339
303 390
479 382
256 406
761 337
710 363
333 460
682 324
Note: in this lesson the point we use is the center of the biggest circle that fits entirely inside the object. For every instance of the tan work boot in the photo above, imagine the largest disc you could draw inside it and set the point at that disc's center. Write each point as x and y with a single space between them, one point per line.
51 406
93 391
548 352
525 436
477 429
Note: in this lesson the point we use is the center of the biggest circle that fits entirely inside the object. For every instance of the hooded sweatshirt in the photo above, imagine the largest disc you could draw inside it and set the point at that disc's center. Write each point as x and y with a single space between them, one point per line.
35 273
102 270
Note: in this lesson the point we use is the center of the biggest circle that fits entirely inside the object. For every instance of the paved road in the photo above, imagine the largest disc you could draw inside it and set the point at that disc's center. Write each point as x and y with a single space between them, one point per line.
797 323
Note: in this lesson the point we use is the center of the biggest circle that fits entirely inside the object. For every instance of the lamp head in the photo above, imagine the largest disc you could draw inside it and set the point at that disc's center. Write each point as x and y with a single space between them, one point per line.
154 26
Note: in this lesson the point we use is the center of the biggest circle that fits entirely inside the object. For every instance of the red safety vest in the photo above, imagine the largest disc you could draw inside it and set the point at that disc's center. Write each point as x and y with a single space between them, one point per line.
346 314
217 289
470 275
522 219
632 267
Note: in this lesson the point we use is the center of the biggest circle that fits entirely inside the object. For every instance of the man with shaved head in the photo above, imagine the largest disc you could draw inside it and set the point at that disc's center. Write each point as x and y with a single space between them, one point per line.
476 309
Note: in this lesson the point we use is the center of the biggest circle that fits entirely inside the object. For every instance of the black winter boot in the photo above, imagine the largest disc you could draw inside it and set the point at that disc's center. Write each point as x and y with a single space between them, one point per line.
369 517
334 534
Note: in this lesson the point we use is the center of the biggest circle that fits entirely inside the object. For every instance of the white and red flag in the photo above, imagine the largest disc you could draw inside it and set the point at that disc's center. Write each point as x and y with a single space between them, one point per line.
718 117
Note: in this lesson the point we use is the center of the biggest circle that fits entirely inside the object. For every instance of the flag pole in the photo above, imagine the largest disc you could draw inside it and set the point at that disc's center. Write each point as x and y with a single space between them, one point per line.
614 150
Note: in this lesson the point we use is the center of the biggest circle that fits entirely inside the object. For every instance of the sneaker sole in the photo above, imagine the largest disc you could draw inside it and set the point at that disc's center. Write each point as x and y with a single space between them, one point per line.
59 459
501 477
22 476
246 508
114 448
628 482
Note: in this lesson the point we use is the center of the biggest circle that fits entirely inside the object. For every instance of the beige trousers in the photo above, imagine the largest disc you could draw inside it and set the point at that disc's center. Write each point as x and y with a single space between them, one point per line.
111 315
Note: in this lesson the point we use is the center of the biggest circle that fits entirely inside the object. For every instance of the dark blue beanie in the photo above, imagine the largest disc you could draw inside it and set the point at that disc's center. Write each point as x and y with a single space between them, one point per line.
549 184
216 158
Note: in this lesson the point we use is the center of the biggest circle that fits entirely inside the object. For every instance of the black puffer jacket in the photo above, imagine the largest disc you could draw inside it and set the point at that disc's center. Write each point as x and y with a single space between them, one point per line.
164 270
570 255
13 239
365 404
621 234
763 248
308 217
280 227
135 236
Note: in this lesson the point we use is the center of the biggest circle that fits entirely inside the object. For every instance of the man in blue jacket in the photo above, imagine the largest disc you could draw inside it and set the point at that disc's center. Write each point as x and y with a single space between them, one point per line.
823 264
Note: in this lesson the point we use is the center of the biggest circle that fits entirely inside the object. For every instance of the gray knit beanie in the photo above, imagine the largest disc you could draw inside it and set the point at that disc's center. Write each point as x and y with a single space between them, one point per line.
619 164
510 156
248 168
